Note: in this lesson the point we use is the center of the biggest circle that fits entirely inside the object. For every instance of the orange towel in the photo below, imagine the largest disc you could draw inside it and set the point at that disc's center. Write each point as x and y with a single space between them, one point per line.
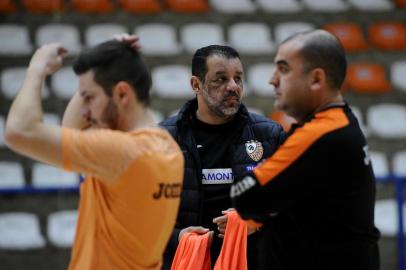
233 254
193 252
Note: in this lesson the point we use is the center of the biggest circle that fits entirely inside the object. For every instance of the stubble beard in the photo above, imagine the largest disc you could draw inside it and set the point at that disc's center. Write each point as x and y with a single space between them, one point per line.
110 115
219 108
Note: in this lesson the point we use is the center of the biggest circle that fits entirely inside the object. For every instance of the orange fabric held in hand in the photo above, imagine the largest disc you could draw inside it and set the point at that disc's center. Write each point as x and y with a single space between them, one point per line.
233 254
193 251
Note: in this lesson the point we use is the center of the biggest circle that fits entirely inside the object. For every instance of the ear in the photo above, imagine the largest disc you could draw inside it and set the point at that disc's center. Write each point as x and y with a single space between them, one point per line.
318 79
196 85
123 93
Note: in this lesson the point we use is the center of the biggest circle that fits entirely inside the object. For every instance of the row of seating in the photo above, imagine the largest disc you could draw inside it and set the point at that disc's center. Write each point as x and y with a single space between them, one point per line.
161 39
45 177
385 121
21 230
196 6
172 81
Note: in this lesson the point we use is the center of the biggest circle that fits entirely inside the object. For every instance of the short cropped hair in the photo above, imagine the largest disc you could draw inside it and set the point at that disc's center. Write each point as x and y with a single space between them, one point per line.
199 61
113 61
323 50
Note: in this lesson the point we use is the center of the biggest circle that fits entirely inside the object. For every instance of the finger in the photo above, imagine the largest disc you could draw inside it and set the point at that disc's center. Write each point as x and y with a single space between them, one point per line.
222 226
120 37
221 235
228 210
198 229
220 219
62 50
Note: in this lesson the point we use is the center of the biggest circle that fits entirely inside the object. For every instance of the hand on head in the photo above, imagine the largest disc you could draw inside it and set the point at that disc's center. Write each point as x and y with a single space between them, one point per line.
131 40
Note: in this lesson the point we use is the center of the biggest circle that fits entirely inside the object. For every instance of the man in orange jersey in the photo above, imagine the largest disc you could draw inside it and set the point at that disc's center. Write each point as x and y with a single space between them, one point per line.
133 169
316 193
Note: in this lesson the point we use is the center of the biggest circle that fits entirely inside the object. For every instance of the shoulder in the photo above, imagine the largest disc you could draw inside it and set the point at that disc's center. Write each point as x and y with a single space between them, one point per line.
170 124
265 125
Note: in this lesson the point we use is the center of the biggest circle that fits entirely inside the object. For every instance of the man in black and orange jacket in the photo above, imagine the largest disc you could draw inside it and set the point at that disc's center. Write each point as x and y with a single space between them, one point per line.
315 195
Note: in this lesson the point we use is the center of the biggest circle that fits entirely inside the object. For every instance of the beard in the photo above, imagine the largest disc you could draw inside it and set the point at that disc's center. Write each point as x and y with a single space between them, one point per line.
110 115
222 107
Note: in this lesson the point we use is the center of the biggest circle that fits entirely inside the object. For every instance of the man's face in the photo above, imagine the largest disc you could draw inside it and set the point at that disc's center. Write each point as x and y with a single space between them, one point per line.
98 109
291 82
222 88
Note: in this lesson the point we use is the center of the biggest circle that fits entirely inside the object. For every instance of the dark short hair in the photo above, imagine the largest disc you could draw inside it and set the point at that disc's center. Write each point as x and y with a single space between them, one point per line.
112 62
323 50
199 61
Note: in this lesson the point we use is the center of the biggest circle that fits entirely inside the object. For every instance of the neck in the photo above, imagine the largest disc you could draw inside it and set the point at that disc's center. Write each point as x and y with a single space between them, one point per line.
334 99
141 118
211 119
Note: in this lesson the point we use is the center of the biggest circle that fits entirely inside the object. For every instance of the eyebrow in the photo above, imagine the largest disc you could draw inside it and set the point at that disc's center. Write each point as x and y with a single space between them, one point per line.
83 93
223 72
282 62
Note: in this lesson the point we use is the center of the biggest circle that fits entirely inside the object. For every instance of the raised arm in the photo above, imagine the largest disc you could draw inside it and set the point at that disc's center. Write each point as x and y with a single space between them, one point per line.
72 117
25 132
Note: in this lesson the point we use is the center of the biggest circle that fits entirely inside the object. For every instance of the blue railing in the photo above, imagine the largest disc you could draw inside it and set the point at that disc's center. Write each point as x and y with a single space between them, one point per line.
399 188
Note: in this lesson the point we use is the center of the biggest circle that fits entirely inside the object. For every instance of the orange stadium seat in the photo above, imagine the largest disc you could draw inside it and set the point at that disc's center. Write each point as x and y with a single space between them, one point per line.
188 6
283 119
401 3
140 6
93 6
367 78
7 6
388 35
41 6
350 35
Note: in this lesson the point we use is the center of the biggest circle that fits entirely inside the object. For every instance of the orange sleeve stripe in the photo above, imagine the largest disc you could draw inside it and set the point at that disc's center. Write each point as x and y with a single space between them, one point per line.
299 142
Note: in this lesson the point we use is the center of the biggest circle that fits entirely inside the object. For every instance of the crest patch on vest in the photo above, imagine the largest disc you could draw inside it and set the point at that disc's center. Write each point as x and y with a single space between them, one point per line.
254 149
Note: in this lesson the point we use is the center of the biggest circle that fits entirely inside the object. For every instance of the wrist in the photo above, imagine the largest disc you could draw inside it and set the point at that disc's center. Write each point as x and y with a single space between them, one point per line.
36 70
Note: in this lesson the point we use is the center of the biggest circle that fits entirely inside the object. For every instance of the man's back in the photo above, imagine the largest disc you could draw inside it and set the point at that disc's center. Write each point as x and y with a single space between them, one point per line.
129 199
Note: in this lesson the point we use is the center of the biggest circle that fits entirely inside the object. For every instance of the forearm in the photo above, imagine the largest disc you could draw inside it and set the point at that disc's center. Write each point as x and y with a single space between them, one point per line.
72 117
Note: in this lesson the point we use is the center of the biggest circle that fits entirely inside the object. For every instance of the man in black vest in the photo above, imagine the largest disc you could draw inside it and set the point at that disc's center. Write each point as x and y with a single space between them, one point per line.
220 140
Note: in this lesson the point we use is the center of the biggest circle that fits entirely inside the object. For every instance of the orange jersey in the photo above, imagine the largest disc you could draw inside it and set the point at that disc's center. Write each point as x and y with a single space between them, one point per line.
129 199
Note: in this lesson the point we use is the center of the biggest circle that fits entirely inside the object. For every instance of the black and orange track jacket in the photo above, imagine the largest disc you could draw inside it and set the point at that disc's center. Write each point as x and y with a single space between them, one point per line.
315 196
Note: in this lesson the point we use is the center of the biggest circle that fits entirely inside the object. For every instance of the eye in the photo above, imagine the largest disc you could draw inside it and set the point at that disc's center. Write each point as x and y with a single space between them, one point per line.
238 79
220 79
283 68
87 98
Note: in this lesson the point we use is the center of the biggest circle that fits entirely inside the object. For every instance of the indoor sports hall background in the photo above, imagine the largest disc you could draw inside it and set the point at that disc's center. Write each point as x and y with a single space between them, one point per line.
38 203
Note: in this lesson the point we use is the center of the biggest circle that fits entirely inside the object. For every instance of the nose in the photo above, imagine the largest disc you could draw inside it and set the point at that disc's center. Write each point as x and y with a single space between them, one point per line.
85 113
274 80
232 86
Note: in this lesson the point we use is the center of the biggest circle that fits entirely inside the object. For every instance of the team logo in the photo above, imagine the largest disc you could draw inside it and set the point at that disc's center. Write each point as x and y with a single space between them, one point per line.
254 149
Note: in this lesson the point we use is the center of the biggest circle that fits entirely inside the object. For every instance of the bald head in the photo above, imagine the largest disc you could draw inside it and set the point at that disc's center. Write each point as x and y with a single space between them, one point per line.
320 49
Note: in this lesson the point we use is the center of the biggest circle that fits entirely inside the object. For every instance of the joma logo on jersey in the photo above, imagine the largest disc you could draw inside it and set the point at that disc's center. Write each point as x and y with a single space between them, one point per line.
217 176
168 191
